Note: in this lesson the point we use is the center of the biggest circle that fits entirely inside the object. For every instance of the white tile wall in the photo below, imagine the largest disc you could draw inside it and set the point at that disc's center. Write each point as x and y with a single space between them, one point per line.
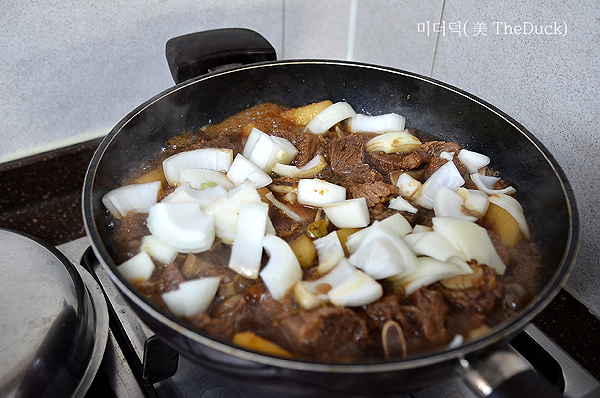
71 67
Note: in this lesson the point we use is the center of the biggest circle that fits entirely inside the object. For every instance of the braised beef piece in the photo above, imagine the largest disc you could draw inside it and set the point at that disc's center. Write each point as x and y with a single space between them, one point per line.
374 192
308 147
483 296
325 333
346 156
387 163
429 310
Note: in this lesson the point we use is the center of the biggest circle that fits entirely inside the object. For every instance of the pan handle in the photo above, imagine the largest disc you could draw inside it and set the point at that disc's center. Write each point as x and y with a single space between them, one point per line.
501 372
199 53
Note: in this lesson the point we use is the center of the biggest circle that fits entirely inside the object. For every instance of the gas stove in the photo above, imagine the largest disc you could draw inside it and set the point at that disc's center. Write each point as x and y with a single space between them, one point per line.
137 364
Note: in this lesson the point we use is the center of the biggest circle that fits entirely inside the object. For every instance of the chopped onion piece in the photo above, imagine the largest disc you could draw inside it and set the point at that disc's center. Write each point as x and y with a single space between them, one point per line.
264 150
376 124
473 161
475 201
192 297
349 213
138 268
309 170
427 271
134 197
471 239
401 204
331 279
242 169
329 116
395 225
281 206
409 186
514 208
447 175
330 252
204 178
392 254
158 250
447 155
393 142
246 251
435 245
186 194
217 159
316 192
183 226
226 209
357 290
307 299
448 203
283 270
486 183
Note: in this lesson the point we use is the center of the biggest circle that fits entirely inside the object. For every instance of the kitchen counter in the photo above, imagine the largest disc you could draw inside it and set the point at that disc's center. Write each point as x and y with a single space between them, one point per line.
42 196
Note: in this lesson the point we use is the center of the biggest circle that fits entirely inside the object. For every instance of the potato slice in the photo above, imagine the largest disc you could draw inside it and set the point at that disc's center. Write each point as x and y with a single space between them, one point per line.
154 174
252 341
305 251
304 114
504 224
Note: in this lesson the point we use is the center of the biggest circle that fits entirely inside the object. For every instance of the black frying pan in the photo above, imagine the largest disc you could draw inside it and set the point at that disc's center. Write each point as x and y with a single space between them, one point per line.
428 105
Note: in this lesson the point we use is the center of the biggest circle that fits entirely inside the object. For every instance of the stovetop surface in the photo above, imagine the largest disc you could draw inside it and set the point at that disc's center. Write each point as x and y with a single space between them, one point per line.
132 372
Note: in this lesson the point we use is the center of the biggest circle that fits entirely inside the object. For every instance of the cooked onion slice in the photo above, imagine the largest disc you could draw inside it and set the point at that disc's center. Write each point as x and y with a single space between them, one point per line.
316 192
329 116
138 268
186 194
226 209
392 254
409 187
401 204
435 245
281 206
333 278
376 124
330 252
192 297
395 225
448 203
447 175
473 161
427 271
350 213
264 150
357 290
246 251
309 170
471 239
486 184
514 208
475 201
183 226
283 270
217 159
204 178
242 169
393 142
158 250
134 197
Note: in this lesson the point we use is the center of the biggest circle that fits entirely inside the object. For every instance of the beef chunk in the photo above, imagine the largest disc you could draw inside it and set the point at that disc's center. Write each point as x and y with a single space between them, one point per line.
308 147
387 163
325 333
430 311
346 157
374 192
